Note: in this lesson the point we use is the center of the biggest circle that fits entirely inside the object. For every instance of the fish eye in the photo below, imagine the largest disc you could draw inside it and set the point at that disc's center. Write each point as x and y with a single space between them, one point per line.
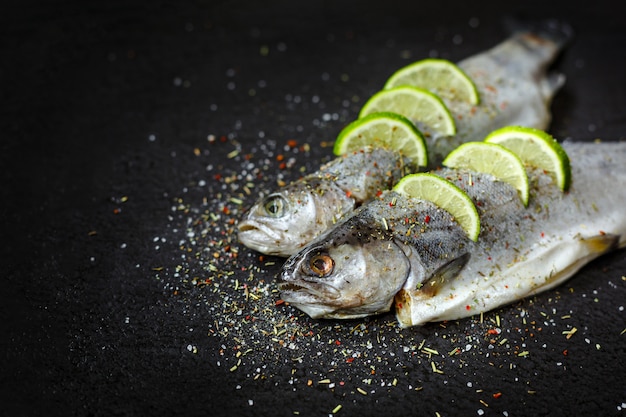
275 206
321 265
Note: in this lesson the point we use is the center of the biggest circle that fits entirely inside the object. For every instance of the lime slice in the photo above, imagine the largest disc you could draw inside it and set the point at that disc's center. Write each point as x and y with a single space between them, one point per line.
491 159
439 76
537 149
420 106
387 130
444 194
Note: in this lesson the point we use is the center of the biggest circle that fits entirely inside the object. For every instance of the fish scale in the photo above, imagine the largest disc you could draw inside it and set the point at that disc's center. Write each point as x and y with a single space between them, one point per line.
435 272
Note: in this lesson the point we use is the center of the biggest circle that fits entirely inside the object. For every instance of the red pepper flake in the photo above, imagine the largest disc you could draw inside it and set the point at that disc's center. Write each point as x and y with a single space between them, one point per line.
337 342
543 234
350 360
280 157
279 302
488 258
282 165
565 352
117 211
226 210
399 306
602 232
223 138
292 143
492 331
497 395
217 177
468 307
427 219
348 193
379 193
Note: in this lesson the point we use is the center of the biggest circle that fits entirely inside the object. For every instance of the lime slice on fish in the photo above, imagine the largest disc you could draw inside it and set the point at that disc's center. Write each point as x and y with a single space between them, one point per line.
491 159
420 106
388 130
443 193
537 149
439 76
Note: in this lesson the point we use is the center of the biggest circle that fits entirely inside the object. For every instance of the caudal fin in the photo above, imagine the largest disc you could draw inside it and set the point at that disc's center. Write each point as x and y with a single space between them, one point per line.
551 84
554 30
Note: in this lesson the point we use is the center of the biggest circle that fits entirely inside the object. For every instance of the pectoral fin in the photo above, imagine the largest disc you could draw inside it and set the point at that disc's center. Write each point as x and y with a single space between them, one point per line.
602 243
444 274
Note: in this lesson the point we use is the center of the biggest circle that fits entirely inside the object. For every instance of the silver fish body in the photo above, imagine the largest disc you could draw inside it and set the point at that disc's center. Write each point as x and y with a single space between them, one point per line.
284 221
514 86
515 90
410 251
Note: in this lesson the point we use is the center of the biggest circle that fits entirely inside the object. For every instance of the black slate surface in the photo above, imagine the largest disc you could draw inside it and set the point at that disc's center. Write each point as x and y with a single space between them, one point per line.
129 134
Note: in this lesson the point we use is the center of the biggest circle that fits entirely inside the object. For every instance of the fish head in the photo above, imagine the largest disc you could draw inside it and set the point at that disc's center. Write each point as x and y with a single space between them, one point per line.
348 272
285 221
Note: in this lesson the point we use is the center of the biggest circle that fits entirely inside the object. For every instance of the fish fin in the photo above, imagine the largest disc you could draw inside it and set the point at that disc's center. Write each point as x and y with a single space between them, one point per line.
444 274
551 84
602 243
555 30
595 246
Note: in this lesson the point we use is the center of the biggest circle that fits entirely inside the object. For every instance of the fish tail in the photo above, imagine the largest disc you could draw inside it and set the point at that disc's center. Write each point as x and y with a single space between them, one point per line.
551 84
557 31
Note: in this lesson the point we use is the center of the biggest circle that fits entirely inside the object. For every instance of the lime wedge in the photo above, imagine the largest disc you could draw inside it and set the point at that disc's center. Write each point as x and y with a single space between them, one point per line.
537 149
491 159
443 193
439 76
420 106
387 130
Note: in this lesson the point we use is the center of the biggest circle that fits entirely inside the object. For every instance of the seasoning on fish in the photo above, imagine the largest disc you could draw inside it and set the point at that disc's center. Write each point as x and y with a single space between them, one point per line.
513 85
387 250
284 221
514 90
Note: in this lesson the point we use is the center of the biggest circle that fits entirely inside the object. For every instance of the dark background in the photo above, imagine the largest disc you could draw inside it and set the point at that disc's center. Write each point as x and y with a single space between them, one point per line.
126 126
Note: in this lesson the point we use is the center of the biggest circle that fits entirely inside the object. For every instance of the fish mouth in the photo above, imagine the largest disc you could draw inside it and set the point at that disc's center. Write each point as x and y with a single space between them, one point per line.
248 227
303 289
260 237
